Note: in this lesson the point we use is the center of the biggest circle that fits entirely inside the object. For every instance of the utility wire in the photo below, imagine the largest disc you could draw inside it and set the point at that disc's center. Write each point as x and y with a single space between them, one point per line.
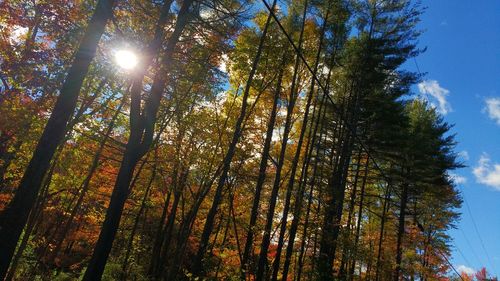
348 125
446 258
462 254
468 209
479 236
470 246
325 91
421 228
465 259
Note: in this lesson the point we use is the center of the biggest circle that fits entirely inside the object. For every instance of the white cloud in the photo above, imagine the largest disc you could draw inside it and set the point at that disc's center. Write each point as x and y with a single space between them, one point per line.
457 179
465 269
433 92
486 173
464 155
493 109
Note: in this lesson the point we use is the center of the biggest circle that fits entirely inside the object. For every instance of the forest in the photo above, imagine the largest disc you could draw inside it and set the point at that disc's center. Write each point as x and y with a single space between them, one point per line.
220 140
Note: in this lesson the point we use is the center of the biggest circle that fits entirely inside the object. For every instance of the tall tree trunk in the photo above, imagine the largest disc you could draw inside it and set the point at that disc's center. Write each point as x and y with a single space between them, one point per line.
209 223
85 185
358 223
169 227
401 230
137 219
346 251
188 220
337 186
328 161
139 142
164 230
24 242
320 120
293 170
226 230
262 171
155 253
34 216
332 202
110 226
14 217
299 198
266 238
309 150
69 202
382 229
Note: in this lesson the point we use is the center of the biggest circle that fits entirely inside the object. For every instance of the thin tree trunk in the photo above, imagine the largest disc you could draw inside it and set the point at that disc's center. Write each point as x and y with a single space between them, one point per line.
336 187
226 230
369 265
309 149
169 227
43 199
209 224
158 236
297 208
140 140
85 185
187 222
136 221
401 230
382 229
33 218
358 223
293 169
262 266
321 121
164 231
346 251
327 241
262 172
318 263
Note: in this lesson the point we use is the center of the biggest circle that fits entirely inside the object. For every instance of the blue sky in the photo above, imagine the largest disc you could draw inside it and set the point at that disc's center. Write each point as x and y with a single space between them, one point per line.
462 63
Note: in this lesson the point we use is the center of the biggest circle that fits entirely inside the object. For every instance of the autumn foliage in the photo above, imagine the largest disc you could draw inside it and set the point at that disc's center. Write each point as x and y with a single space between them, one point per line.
227 153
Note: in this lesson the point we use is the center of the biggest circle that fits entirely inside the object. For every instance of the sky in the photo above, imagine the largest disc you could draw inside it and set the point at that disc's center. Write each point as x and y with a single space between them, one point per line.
462 66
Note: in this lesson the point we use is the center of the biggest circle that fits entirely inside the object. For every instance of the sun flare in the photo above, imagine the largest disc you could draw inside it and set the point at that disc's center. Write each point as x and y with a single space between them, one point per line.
126 59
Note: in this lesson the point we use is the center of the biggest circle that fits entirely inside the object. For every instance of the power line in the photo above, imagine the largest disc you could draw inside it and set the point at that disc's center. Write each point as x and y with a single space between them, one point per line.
348 125
421 228
420 73
454 269
470 246
479 236
462 254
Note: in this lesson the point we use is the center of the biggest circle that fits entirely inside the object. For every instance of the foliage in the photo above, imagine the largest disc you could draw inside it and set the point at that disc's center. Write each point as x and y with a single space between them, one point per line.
345 170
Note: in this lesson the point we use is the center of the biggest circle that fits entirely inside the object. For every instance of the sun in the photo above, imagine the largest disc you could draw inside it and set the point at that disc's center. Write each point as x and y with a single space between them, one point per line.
126 59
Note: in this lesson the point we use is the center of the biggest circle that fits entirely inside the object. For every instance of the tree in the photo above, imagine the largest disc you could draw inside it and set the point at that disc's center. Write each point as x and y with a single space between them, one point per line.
246 144
140 139
14 217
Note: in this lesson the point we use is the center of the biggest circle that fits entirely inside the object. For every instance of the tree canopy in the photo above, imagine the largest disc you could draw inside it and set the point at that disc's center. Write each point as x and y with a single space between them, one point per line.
253 140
